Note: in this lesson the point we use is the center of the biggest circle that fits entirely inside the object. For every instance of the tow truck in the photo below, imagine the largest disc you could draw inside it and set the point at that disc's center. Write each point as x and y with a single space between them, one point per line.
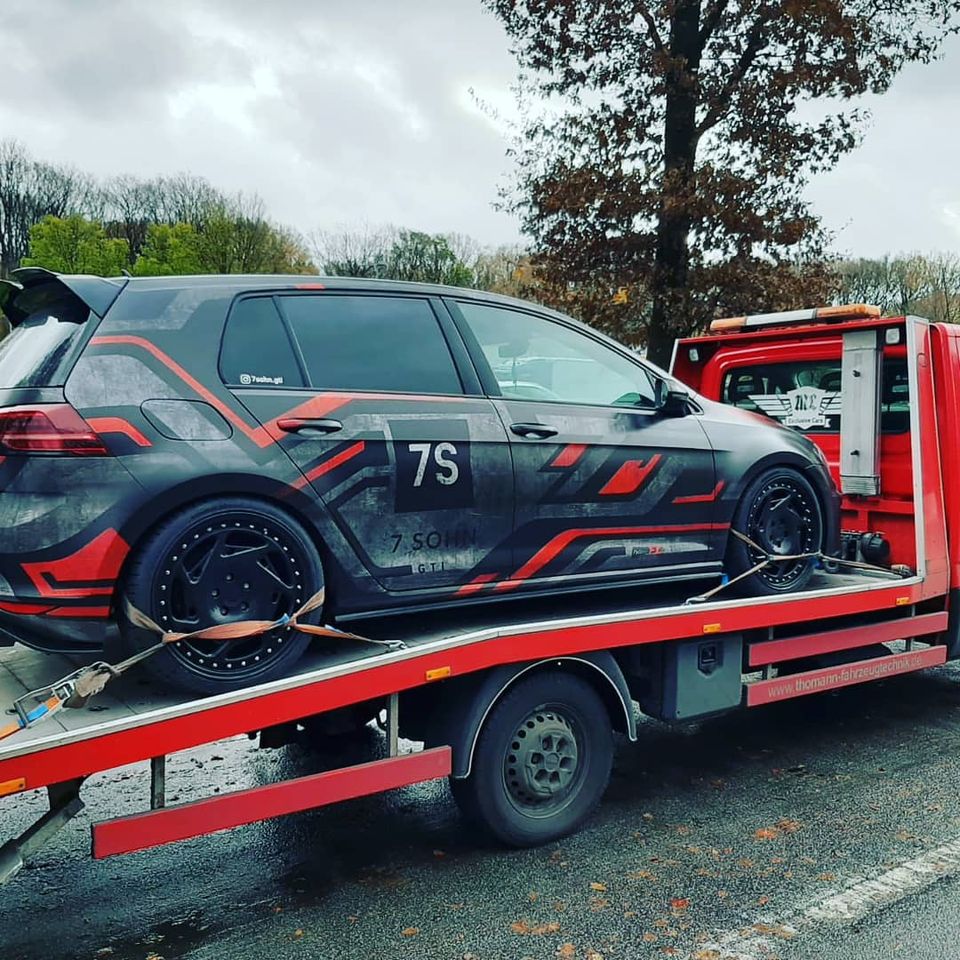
878 395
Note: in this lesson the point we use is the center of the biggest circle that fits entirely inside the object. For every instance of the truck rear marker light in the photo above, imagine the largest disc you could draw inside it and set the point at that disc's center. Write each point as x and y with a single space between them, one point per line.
13 786
711 628
49 429
852 311
438 673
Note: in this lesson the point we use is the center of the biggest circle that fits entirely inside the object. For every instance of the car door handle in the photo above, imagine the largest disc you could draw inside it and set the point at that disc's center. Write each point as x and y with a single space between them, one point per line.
308 426
540 430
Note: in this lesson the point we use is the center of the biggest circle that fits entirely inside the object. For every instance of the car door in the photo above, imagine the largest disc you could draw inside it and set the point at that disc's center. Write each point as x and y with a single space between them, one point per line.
607 485
412 467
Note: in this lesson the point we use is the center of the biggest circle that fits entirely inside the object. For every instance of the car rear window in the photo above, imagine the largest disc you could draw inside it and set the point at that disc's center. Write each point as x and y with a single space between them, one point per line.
40 350
390 344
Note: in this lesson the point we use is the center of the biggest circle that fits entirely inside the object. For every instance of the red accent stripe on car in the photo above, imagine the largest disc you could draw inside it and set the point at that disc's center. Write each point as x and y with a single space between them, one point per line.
25 609
703 497
476 584
98 562
630 477
569 455
118 425
562 540
331 464
72 613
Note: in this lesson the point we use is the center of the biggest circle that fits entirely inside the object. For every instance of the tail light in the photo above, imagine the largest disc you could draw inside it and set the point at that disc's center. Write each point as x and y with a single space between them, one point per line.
50 428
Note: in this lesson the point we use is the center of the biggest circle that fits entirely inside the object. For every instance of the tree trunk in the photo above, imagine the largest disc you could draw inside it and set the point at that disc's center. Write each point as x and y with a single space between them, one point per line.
670 312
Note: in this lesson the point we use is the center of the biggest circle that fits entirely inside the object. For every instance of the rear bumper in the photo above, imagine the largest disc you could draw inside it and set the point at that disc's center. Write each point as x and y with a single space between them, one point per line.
52 634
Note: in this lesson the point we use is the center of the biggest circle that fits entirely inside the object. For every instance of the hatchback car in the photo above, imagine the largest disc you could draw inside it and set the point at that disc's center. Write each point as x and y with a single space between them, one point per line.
219 448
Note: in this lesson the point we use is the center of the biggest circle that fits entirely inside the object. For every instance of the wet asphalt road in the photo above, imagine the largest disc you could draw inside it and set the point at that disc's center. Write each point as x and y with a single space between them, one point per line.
711 839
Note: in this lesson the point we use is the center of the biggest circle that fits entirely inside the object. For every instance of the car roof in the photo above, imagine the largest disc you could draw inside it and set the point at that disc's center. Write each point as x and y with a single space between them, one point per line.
260 281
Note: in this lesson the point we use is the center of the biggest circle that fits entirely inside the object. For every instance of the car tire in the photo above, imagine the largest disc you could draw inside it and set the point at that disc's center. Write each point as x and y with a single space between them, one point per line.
780 512
220 561
541 763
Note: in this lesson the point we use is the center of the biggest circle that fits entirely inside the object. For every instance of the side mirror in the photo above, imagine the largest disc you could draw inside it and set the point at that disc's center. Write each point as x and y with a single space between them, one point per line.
671 400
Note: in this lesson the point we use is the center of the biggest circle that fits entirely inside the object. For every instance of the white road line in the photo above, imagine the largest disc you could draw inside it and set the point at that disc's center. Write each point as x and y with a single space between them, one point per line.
858 899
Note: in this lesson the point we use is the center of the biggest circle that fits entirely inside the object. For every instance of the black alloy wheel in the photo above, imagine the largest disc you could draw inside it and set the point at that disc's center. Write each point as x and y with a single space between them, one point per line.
781 514
219 563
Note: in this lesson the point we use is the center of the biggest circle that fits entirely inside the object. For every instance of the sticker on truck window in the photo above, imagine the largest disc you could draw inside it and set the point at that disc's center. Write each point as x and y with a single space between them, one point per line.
803 408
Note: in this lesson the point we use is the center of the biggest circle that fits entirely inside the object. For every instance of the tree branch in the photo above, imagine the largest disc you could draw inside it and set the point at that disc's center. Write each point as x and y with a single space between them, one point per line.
652 26
756 40
710 20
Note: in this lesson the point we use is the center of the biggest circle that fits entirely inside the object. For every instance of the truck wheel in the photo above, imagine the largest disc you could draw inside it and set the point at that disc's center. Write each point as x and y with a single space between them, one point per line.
781 513
541 763
215 562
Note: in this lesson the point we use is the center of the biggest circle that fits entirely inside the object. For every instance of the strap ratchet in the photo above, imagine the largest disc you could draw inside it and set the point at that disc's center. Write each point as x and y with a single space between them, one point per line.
75 690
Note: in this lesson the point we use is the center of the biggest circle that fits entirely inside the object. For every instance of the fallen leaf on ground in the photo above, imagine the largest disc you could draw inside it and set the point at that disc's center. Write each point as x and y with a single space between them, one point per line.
533 896
762 901
526 929
566 950
409 931
640 875
650 937
593 955
775 930
826 876
767 833
706 955
599 903
679 903
298 934
599 887
789 826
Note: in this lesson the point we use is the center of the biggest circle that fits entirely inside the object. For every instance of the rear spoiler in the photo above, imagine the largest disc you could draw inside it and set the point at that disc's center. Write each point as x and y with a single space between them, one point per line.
97 293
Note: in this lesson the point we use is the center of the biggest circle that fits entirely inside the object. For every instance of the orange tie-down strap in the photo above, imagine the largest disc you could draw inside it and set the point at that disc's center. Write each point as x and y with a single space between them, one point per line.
77 688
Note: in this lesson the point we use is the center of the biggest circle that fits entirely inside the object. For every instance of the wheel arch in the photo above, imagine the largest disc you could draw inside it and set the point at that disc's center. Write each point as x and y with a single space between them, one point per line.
196 490
462 714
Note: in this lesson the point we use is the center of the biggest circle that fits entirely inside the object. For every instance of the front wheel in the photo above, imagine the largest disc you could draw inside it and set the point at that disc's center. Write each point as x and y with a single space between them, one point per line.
542 761
217 562
780 513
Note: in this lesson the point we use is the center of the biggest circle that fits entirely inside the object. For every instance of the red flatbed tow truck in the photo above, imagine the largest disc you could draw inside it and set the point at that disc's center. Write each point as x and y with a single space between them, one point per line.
878 395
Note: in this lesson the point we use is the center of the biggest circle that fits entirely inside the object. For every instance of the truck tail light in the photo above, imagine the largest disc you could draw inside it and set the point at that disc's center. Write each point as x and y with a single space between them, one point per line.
50 429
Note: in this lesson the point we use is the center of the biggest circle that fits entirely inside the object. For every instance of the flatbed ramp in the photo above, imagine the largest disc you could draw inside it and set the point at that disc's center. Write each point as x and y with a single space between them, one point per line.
134 720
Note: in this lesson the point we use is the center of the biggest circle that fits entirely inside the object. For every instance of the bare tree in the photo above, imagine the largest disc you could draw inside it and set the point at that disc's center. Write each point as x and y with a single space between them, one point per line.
30 191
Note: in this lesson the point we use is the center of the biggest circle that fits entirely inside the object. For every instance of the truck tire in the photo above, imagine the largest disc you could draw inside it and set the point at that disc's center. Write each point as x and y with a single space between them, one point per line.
541 763
219 561
781 512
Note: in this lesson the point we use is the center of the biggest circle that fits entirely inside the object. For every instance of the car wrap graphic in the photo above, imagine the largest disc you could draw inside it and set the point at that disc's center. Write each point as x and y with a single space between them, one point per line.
412 497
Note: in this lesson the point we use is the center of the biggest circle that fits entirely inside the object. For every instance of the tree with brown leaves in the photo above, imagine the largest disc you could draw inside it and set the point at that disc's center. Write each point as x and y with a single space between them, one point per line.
666 145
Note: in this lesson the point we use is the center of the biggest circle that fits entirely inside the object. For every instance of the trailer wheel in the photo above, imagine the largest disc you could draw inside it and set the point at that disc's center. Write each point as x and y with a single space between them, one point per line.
780 512
220 561
541 763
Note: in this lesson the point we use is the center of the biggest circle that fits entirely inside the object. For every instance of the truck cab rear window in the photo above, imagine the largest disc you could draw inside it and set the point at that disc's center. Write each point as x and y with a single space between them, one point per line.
39 351
806 394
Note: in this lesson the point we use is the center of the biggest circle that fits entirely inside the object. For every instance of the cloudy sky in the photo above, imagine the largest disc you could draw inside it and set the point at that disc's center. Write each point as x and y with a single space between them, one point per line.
342 112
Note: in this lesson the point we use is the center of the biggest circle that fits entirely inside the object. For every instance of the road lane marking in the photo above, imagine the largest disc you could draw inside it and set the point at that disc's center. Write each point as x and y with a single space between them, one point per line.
858 899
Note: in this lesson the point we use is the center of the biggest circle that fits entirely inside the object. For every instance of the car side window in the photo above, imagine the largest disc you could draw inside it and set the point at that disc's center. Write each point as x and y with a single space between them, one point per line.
805 394
256 349
533 358
377 343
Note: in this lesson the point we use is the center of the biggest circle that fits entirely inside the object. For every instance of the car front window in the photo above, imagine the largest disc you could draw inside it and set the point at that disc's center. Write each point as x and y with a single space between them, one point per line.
533 358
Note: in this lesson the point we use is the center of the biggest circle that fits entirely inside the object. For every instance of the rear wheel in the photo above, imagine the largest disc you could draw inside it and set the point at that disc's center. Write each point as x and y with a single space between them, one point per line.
218 562
780 512
542 761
